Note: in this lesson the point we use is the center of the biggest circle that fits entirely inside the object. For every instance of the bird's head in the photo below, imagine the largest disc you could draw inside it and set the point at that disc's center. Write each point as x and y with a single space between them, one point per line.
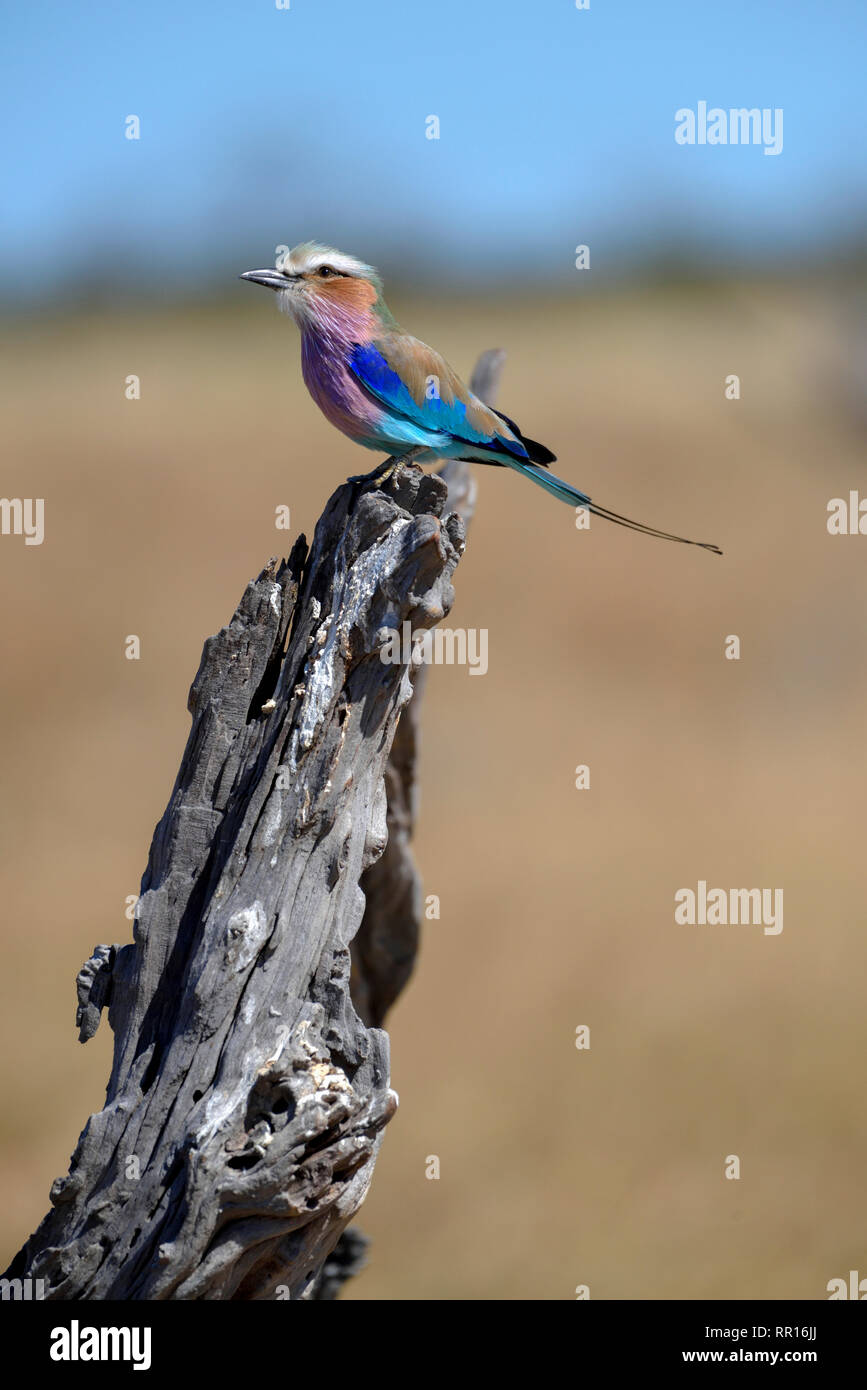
321 287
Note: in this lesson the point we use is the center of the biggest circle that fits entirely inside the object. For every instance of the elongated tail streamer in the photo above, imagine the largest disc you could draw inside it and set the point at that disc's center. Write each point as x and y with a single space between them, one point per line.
571 495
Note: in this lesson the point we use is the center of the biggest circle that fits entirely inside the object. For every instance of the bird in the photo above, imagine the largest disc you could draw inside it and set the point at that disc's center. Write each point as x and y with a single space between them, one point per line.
389 391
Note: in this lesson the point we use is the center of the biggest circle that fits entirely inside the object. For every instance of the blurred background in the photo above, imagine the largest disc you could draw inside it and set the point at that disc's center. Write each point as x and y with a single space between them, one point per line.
261 127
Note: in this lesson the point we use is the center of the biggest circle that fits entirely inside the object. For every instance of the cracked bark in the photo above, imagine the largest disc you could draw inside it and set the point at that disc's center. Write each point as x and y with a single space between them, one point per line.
278 920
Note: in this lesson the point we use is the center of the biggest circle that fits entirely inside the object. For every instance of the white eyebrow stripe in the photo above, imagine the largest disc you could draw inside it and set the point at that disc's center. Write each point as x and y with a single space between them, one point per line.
310 256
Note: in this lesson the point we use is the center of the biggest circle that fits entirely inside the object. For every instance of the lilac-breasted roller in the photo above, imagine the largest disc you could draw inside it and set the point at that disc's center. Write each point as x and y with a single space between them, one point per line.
388 391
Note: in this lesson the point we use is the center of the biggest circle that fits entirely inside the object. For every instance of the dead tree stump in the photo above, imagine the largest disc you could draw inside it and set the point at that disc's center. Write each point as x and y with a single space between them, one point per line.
278 920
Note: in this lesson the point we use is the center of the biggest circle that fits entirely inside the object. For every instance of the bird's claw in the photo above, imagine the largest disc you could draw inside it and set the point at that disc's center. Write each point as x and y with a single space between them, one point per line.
379 474
386 468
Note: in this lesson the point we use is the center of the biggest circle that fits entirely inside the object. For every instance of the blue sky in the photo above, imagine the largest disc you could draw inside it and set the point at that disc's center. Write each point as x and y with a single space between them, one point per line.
261 126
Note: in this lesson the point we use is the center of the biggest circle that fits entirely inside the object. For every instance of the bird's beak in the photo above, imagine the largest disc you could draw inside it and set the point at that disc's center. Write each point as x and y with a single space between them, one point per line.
273 279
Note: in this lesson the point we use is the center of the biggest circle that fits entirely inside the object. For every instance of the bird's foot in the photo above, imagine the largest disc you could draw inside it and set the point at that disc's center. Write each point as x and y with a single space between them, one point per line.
385 469
382 470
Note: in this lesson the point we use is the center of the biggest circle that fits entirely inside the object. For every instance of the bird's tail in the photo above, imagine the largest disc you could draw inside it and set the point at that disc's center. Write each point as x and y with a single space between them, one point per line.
569 494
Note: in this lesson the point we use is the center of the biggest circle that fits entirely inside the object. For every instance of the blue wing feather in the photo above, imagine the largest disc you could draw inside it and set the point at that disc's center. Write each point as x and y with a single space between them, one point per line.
378 377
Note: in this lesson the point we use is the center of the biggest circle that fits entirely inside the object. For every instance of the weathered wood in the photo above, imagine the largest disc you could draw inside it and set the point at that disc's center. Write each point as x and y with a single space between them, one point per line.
250 1082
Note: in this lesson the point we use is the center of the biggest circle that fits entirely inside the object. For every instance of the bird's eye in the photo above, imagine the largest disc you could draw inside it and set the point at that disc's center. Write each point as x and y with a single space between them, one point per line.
325 270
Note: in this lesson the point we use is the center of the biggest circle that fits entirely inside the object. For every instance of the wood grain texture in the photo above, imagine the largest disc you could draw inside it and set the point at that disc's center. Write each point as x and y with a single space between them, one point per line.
277 921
